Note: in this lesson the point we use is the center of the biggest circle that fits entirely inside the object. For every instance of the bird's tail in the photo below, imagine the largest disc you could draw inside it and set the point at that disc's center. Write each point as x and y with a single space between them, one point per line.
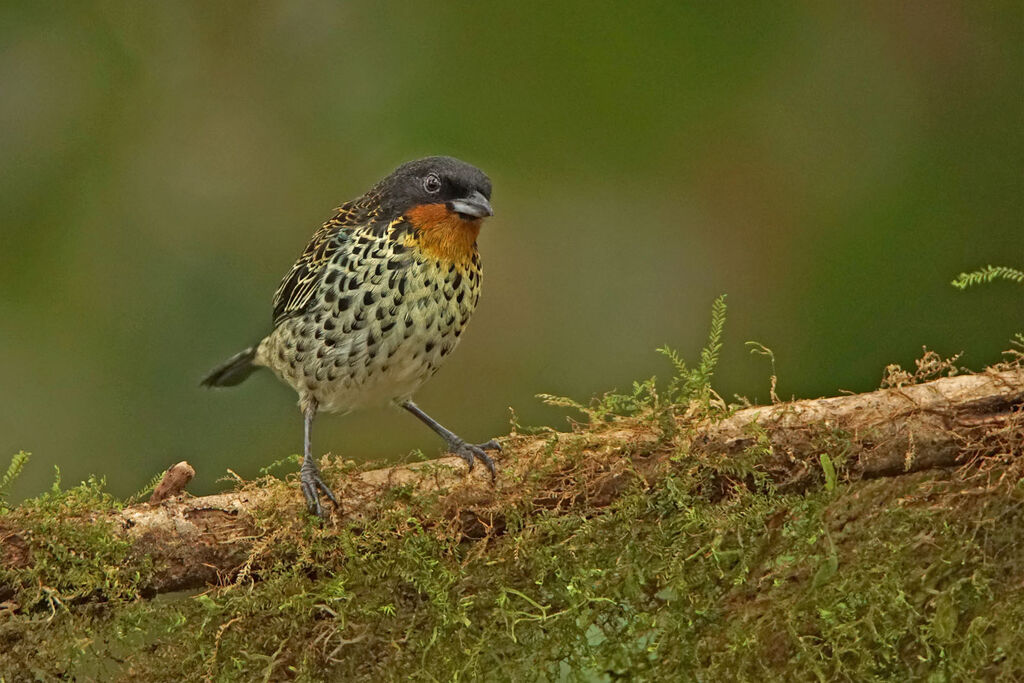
233 371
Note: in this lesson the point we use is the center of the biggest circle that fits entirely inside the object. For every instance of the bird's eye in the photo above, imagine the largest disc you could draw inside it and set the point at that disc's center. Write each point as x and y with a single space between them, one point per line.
432 184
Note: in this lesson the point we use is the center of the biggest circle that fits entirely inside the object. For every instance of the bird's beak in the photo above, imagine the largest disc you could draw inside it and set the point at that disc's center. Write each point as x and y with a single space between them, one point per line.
473 206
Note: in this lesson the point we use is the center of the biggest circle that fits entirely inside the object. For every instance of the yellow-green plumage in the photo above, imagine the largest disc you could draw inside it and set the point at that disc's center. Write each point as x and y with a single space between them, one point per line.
378 317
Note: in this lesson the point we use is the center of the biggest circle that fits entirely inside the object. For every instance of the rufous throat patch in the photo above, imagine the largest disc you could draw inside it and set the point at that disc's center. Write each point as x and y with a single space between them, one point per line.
444 234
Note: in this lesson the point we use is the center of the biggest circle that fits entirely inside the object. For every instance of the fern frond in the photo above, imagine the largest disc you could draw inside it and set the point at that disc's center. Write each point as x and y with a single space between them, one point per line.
18 461
988 274
709 354
677 363
691 384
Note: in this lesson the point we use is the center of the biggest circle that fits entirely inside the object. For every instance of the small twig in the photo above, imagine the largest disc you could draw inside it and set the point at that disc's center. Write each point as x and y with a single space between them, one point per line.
174 481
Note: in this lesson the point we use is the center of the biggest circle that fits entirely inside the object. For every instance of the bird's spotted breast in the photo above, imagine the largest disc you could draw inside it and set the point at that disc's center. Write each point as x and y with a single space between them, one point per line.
386 316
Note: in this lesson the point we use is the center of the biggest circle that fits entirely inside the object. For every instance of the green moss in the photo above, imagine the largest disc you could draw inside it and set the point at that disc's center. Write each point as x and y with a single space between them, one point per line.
73 553
608 555
891 579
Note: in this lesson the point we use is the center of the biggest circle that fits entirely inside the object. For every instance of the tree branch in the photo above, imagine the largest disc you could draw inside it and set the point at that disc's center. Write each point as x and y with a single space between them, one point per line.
197 541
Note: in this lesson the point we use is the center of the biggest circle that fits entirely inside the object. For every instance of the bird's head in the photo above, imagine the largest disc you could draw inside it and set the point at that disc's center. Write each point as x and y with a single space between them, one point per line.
458 188
444 199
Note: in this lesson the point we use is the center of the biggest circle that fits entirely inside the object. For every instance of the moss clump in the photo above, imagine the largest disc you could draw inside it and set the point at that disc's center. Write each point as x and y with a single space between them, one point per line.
68 551
911 577
613 553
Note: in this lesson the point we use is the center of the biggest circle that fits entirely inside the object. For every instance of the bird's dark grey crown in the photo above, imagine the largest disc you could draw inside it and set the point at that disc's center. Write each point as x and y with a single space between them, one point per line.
406 187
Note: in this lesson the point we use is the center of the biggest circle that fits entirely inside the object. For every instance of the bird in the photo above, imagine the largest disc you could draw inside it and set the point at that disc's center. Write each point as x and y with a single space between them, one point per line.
376 303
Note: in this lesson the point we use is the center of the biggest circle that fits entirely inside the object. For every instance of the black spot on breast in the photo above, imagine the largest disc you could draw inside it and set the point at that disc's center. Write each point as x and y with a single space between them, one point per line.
457 281
381 312
460 296
429 347
387 326
369 298
371 340
344 302
329 324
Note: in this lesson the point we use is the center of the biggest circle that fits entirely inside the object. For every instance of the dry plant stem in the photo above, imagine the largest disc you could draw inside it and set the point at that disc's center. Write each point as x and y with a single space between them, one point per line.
199 541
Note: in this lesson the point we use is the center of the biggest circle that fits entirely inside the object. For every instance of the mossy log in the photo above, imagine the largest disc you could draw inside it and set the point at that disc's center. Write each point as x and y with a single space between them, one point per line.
192 542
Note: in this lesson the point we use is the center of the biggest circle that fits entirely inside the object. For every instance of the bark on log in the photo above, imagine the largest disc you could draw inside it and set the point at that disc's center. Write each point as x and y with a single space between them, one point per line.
198 541
888 432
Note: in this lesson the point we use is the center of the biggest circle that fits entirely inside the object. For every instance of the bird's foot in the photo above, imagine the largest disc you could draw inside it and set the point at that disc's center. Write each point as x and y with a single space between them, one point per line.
470 452
312 486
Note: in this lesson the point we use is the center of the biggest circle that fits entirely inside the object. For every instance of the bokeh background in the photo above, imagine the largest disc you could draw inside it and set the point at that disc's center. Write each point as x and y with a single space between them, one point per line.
830 166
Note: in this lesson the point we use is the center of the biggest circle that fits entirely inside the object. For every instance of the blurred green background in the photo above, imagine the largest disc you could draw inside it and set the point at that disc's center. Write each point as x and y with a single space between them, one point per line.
830 166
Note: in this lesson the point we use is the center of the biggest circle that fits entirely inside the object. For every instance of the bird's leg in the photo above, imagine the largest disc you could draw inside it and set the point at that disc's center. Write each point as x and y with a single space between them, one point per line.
309 473
467 451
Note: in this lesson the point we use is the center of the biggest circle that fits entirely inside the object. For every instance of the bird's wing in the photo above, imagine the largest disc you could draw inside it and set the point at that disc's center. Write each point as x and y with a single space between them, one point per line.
296 290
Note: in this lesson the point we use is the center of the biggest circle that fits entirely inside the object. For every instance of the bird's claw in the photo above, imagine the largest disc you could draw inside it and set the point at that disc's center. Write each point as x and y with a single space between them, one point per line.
470 452
312 486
